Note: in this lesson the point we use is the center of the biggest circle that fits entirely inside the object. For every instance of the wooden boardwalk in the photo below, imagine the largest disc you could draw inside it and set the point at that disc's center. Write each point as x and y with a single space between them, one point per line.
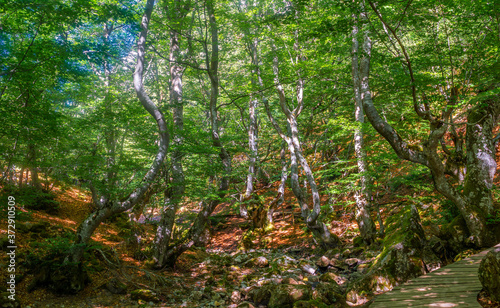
455 285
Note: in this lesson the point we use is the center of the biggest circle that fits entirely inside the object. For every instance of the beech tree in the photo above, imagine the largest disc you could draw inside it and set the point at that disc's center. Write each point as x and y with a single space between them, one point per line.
107 205
175 179
363 194
246 87
199 225
472 194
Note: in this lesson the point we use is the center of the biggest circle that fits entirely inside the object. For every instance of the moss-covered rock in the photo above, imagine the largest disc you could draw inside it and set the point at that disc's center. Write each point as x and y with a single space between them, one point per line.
362 290
145 295
455 234
403 249
262 295
115 286
402 257
330 294
330 278
284 296
489 273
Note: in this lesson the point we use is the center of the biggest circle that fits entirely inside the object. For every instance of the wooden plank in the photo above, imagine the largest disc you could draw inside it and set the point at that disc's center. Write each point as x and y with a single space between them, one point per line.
433 281
435 303
427 303
431 293
438 279
455 285
436 288
426 296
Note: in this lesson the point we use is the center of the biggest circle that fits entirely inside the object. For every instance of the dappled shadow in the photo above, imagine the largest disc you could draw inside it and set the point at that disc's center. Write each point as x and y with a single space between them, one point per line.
456 285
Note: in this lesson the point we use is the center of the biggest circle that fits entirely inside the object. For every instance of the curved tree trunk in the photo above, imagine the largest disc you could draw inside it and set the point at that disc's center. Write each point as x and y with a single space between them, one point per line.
105 206
311 217
475 202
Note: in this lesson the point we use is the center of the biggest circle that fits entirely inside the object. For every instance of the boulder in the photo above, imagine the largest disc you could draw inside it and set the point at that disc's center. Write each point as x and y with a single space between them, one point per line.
115 286
455 236
489 273
402 258
323 262
235 297
145 295
364 289
262 295
284 296
260 262
330 294
403 253
355 298
331 278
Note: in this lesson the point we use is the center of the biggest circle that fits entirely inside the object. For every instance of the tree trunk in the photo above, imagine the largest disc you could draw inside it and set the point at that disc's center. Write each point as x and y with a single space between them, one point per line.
21 174
200 224
106 207
280 198
174 193
363 192
481 164
35 180
318 228
475 202
252 46
253 157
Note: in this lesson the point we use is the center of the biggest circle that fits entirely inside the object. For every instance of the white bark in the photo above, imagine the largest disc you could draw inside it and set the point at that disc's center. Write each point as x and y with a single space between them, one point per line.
200 224
176 186
106 207
318 228
474 203
362 194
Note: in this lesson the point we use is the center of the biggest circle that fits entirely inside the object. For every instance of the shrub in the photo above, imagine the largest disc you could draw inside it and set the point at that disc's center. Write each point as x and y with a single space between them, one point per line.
32 198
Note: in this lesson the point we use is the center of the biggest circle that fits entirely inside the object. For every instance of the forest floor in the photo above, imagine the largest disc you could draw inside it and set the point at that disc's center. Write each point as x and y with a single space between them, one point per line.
115 258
